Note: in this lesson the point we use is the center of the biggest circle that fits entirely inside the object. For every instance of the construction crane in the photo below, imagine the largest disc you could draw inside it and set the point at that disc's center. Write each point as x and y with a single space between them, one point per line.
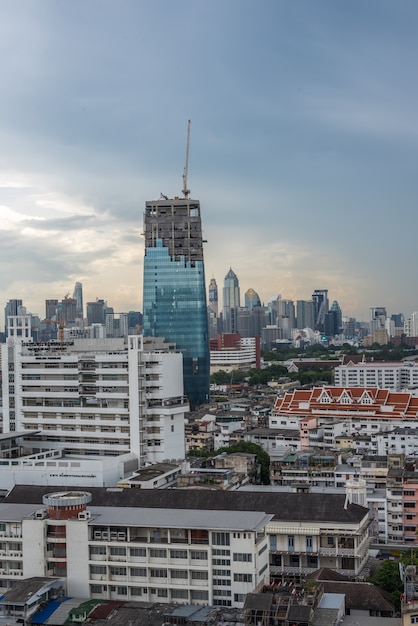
186 191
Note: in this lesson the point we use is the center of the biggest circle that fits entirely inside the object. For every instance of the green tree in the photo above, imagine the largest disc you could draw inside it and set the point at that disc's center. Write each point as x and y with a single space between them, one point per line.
387 577
263 459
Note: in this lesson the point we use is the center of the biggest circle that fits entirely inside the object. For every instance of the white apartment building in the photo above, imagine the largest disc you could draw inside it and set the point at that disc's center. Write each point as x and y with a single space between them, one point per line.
187 556
93 398
411 325
385 375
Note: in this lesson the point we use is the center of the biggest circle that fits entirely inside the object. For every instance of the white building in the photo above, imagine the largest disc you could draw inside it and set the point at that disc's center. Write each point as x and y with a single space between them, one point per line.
187 556
243 357
385 375
93 398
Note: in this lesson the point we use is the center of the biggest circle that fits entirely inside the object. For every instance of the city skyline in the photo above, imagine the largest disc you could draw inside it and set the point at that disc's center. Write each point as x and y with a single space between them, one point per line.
303 145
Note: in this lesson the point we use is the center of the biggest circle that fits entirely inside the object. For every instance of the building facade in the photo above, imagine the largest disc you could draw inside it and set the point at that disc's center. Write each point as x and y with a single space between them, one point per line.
93 397
174 299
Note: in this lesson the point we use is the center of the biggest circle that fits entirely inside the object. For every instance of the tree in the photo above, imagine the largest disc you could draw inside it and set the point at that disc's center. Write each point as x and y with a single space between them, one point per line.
263 459
388 578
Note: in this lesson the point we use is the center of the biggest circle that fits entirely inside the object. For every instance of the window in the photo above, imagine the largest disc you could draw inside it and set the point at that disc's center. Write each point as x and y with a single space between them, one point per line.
178 554
118 571
243 557
243 578
263 549
239 597
414 619
158 573
122 591
138 552
199 595
221 572
290 542
138 571
199 575
98 570
309 544
225 562
179 593
179 573
158 553
199 555
220 539
117 551
162 593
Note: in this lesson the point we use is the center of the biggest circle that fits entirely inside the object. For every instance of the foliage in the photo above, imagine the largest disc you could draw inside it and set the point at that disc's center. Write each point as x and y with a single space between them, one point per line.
387 578
262 457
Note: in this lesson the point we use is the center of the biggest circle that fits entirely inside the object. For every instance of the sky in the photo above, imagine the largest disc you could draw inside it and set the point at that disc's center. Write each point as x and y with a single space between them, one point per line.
303 147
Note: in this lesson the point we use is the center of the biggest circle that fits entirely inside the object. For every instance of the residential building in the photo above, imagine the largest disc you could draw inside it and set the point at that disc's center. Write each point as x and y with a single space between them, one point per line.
12 308
190 546
96 397
174 299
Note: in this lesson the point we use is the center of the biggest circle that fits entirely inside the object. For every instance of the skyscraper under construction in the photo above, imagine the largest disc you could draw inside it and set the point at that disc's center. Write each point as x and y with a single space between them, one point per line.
174 299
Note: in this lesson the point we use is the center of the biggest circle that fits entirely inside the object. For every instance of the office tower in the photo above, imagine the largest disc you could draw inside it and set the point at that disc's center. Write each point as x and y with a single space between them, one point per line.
174 301
349 327
96 312
231 302
252 299
51 309
333 320
134 322
11 308
321 307
78 297
68 310
398 319
305 317
377 318
213 296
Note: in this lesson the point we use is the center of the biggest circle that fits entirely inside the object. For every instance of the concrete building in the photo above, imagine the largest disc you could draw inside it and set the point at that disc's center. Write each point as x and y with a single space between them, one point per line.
186 546
385 375
175 288
242 353
231 302
93 398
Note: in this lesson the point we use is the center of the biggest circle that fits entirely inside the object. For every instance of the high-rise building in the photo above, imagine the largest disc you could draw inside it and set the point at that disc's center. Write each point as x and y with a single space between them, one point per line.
51 309
321 307
174 300
213 296
252 299
99 397
11 308
305 314
78 297
377 318
231 302
96 312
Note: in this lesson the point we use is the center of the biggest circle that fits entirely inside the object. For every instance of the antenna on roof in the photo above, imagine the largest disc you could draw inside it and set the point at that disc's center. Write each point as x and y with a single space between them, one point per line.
186 191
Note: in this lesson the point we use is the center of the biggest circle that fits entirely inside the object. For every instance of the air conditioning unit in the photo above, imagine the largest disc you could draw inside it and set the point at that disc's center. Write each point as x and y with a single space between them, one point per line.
84 515
41 514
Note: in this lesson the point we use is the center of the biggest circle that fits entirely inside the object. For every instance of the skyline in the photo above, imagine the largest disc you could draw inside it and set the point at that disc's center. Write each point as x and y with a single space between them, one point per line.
302 152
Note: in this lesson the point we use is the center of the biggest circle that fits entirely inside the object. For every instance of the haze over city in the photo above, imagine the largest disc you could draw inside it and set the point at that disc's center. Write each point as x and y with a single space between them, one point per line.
303 145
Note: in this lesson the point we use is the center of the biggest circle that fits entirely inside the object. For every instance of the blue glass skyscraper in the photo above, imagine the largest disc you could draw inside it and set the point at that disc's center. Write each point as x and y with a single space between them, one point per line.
174 299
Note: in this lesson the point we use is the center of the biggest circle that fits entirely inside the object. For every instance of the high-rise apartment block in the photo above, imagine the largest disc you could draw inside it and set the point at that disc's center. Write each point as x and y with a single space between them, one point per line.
174 300
107 397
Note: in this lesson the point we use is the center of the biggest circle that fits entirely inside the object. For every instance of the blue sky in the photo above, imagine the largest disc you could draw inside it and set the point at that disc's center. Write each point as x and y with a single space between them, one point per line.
304 144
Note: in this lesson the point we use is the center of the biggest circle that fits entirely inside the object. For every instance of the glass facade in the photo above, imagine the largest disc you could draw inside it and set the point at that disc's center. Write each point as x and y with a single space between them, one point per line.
174 303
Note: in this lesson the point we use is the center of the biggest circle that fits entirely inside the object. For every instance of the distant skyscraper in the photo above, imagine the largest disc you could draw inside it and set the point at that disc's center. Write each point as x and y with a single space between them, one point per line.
78 297
321 307
252 299
213 296
51 309
377 318
96 312
231 302
174 302
305 317
11 308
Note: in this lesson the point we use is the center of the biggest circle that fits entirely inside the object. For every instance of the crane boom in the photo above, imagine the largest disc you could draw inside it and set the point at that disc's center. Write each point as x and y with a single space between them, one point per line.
186 191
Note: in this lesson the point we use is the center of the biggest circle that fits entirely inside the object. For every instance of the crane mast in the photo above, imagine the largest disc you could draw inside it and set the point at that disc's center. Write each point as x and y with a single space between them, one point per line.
186 191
